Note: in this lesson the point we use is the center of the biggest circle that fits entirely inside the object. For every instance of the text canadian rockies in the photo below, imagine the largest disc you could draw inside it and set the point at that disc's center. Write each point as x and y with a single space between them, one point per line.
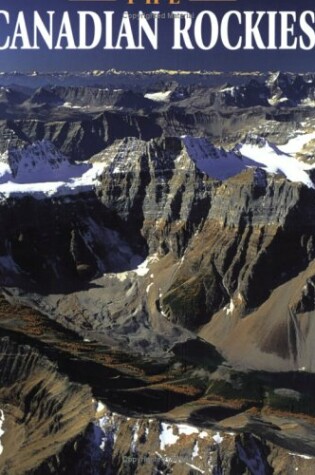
110 30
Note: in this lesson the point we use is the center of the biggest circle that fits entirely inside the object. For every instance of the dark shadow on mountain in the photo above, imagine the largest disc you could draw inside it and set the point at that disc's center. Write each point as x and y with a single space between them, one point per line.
61 245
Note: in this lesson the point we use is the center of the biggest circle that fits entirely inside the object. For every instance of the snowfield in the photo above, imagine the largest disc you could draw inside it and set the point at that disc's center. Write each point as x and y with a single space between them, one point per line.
220 164
41 170
159 96
166 436
215 162
282 159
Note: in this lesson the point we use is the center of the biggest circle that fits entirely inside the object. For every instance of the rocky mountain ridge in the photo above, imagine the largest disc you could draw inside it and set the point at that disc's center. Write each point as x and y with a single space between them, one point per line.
41 410
158 247
151 204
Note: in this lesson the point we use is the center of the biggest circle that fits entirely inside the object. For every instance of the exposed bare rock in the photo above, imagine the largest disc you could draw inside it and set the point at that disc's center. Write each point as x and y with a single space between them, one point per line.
118 445
42 410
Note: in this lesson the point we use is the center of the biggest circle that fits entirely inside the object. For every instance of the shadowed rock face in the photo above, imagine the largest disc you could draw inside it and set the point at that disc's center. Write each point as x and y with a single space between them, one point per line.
62 244
42 409
248 245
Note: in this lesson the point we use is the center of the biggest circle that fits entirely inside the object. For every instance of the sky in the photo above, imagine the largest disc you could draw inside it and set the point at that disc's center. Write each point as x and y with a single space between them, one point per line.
218 58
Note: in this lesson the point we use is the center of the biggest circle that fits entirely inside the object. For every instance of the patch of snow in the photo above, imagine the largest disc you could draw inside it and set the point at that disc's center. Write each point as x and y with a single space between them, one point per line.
159 96
149 287
100 406
217 438
122 276
143 269
230 308
2 418
186 429
230 89
305 457
203 434
280 159
97 72
135 436
166 436
308 102
180 161
195 452
195 468
69 105
240 297
105 432
296 144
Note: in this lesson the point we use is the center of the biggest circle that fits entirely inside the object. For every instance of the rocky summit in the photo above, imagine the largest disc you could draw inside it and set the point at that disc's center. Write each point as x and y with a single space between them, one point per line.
157 273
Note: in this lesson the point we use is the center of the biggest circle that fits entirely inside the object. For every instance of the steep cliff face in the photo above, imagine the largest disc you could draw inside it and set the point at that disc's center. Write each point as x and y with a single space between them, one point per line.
182 236
82 137
41 409
250 242
61 242
237 240
158 186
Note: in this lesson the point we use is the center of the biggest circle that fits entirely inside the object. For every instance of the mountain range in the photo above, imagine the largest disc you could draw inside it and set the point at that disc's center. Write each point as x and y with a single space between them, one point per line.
157 274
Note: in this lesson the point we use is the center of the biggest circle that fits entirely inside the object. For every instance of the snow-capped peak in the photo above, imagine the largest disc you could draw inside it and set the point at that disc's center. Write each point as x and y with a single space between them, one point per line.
280 159
255 151
34 162
41 170
215 162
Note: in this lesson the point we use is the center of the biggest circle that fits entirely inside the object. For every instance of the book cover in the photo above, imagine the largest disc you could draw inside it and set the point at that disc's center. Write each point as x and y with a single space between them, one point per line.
157 237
